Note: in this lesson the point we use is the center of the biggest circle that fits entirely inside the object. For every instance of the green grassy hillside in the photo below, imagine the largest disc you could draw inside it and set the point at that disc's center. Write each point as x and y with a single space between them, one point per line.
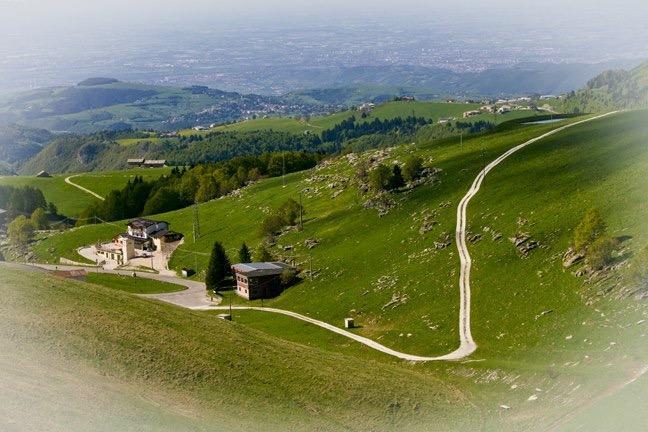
69 200
548 342
198 372
365 261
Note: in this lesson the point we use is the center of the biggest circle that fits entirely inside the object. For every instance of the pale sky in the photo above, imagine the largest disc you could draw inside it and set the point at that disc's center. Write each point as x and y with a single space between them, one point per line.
106 12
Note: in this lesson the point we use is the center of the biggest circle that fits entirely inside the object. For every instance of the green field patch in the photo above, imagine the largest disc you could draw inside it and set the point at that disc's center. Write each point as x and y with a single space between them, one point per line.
132 285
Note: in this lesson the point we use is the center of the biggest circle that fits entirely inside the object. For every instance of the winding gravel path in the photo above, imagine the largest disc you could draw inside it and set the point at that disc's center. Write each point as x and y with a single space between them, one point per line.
88 191
194 297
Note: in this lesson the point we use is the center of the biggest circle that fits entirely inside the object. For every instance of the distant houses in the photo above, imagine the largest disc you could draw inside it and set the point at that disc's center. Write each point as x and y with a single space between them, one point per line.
259 280
147 163
471 113
444 120
43 174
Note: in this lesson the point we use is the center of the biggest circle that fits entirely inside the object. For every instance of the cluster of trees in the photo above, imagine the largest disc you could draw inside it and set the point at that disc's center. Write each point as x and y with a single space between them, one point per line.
222 146
384 178
476 127
351 129
286 215
21 230
591 240
183 187
23 200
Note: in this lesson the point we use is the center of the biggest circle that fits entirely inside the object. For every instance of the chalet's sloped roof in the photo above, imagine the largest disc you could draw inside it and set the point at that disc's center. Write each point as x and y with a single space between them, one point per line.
135 161
155 162
141 223
260 269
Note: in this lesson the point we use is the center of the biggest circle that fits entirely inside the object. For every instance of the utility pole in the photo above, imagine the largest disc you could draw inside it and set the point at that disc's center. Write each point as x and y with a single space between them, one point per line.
196 223
301 212
283 169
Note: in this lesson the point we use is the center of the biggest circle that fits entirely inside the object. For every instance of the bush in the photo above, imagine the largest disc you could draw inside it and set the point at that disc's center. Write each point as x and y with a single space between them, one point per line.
20 231
288 277
272 224
412 168
591 227
39 219
599 253
396 181
286 215
380 178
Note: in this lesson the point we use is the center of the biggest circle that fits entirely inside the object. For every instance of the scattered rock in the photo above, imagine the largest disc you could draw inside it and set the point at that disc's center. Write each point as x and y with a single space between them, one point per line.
443 242
311 243
474 238
571 257
524 243
543 313
396 300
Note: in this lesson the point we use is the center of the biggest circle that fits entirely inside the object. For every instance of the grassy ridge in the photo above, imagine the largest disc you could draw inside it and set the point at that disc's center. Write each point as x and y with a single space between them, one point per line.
429 110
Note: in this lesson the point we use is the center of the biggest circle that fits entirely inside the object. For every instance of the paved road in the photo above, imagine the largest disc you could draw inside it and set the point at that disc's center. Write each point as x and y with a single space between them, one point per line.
88 191
194 297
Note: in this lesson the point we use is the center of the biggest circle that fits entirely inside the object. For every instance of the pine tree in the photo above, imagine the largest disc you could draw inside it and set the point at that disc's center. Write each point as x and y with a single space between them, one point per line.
219 267
244 254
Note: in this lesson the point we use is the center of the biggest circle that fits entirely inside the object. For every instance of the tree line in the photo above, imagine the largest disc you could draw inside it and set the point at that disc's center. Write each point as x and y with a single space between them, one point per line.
186 186
351 128
23 200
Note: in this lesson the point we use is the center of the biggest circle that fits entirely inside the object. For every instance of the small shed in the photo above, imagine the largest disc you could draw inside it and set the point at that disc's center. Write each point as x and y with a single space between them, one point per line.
349 323
43 174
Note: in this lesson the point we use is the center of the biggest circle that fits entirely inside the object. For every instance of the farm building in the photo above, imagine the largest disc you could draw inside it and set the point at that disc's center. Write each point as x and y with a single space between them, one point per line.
135 162
43 174
154 163
149 235
259 280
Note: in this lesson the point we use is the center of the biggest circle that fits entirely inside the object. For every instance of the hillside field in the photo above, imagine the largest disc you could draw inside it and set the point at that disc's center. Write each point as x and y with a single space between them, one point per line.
547 341
158 367
71 201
